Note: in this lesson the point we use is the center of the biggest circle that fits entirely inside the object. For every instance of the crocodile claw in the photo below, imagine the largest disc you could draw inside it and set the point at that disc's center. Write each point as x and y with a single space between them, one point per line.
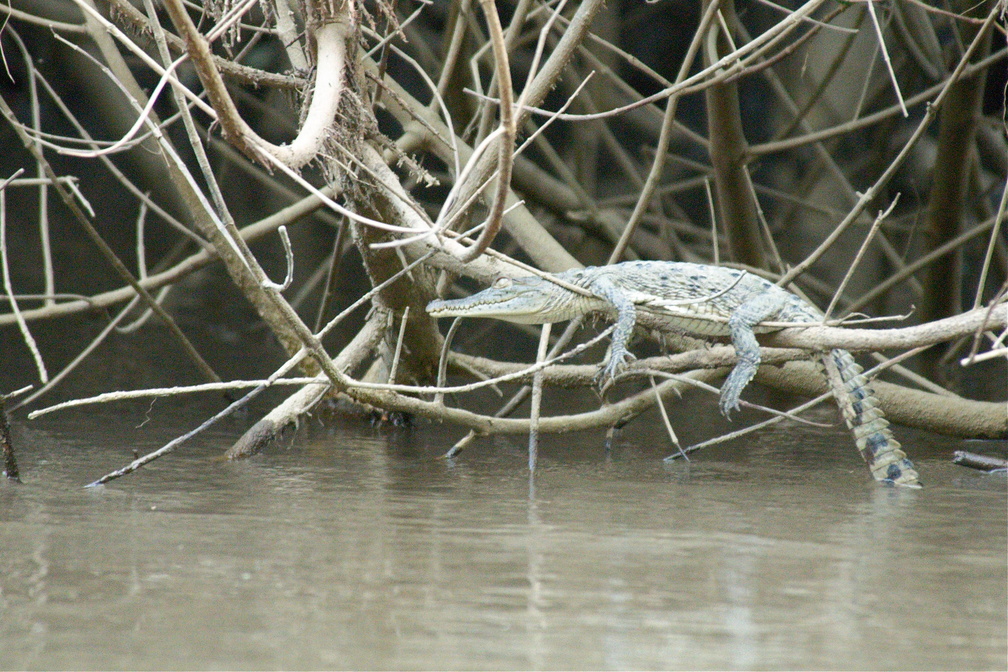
728 405
612 368
731 389
729 402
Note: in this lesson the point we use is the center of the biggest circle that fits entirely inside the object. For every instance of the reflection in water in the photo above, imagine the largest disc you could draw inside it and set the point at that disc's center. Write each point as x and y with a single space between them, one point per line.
361 548
536 562
739 578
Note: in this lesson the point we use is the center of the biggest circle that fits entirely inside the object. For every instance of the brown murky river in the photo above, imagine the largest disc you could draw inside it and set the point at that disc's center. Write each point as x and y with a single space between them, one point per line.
354 547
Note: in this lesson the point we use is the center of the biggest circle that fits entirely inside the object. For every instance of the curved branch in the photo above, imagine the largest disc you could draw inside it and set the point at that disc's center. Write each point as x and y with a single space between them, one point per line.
533 95
505 145
330 39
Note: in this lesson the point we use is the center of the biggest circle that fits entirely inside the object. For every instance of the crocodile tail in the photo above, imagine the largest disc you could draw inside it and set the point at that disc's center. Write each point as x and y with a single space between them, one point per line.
861 412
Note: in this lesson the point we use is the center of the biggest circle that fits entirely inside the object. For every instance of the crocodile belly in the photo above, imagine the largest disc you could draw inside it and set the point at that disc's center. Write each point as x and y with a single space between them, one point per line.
693 324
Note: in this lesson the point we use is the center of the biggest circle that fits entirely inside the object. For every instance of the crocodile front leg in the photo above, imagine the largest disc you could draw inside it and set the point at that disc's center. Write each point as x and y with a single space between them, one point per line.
743 319
626 319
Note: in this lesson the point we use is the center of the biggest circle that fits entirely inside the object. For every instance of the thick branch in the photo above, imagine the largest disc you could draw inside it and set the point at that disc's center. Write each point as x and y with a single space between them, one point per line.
302 401
945 414
939 331
948 193
914 408
728 149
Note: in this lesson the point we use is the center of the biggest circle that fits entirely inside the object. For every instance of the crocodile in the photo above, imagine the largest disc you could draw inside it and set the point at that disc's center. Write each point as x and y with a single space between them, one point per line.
698 300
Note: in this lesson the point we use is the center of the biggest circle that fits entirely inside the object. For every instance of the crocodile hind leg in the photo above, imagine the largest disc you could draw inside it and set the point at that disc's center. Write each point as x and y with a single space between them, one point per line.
743 319
860 409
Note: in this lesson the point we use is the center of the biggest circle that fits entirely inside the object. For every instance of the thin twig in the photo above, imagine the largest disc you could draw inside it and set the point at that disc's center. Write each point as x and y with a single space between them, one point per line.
289 257
665 419
893 165
443 360
291 362
81 356
536 401
332 273
794 411
358 385
715 248
176 442
398 348
778 146
664 136
159 392
907 272
788 415
518 397
106 251
859 256
999 218
885 57
715 73
8 287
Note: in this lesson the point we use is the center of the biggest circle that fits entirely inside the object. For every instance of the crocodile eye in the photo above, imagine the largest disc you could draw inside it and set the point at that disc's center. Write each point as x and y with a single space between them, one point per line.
502 282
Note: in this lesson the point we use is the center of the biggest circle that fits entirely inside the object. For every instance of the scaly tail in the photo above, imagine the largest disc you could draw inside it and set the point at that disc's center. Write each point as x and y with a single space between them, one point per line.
860 408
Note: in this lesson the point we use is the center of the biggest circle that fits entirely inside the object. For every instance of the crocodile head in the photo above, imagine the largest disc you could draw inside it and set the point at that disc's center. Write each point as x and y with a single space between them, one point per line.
527 300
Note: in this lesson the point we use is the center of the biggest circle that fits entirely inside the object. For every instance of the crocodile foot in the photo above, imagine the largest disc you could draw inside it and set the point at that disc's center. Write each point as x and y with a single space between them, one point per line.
608 372
729 401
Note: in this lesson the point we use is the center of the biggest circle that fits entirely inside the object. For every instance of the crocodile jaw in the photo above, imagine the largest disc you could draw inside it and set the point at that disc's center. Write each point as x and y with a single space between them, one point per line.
523 301
521 309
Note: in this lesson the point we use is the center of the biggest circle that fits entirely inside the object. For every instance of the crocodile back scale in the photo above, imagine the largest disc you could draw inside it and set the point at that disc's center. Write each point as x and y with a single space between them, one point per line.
700 300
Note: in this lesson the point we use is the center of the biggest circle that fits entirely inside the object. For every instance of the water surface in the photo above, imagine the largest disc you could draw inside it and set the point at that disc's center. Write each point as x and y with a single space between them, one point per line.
359 547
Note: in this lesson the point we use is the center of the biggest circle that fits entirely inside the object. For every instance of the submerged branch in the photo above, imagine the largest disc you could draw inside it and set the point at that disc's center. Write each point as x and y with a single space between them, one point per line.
10 468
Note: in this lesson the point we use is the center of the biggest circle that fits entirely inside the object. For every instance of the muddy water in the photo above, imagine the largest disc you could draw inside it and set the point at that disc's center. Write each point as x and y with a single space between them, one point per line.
356 547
